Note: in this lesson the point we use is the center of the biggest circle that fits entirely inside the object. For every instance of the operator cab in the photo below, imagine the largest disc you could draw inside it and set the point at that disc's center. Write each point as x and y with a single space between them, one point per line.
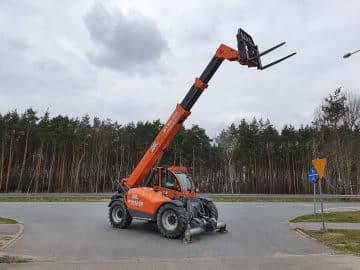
175 182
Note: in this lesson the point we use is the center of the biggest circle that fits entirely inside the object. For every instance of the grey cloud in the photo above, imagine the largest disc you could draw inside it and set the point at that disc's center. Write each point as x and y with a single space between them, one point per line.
124 42
17 44
50 63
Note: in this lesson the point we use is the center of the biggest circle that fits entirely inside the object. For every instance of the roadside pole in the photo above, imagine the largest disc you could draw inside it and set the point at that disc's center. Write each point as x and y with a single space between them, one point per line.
314 178
314 199
320 165
322 207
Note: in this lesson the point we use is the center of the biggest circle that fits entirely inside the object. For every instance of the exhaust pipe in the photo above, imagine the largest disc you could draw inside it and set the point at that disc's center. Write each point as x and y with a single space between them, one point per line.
189 233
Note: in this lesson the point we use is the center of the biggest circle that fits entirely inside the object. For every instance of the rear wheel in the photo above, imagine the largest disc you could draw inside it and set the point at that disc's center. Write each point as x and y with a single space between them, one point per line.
210 209
172 220
119 215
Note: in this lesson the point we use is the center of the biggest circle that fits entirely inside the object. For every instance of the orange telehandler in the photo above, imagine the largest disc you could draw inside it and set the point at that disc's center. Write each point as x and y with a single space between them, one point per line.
171 201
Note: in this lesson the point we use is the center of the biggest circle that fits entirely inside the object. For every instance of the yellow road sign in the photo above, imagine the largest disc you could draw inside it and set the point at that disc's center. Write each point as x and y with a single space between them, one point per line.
320 165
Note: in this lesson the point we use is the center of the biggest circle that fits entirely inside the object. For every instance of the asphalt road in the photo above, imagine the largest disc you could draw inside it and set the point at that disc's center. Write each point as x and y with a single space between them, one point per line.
259 236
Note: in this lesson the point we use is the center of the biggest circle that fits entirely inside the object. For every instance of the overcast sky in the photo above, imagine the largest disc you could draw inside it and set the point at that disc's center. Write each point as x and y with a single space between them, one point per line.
134 60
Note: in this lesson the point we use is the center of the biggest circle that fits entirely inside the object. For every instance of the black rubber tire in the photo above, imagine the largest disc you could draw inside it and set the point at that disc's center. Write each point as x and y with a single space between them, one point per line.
125 216
182 220
210 209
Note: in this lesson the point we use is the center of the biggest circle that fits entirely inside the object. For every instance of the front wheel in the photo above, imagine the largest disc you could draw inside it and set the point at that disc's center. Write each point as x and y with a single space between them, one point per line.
119 216
172 220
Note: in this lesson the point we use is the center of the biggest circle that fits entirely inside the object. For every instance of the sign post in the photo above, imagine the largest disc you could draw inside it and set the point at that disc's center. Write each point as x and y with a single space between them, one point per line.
320 165
314 199
322 207
314 178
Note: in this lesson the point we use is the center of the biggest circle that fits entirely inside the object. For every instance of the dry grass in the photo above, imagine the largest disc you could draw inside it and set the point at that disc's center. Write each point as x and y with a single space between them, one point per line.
4 239
343 241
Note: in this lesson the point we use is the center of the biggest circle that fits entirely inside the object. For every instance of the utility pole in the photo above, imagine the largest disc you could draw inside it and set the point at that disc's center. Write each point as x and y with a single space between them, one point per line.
347 55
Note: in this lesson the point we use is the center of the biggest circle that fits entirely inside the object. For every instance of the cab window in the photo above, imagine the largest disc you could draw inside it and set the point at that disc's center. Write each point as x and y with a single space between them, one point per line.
169 181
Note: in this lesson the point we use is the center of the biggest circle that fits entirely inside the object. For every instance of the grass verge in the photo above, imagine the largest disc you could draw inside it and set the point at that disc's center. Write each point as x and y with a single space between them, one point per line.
333 217
342 241
7 221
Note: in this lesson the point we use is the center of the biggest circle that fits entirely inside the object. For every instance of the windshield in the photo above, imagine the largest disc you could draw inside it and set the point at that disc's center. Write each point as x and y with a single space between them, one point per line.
185 181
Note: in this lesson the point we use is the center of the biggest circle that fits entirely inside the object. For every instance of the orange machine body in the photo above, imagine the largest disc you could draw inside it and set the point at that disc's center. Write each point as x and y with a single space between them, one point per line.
145 201
171 200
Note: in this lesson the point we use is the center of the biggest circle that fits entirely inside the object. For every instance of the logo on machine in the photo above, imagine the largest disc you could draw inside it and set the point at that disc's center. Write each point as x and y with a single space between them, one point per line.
134 201
154 147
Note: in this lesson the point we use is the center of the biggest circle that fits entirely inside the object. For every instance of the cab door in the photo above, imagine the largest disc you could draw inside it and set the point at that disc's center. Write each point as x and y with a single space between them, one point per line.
170 186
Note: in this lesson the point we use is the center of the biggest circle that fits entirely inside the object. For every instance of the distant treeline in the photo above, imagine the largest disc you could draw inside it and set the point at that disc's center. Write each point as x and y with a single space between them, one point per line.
62 154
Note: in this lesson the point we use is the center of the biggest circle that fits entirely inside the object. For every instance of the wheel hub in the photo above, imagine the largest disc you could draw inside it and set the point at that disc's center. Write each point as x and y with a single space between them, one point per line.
169 220
117 214
172 220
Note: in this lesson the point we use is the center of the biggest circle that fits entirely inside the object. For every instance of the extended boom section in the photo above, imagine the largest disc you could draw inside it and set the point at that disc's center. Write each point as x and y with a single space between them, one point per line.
160 143
177 118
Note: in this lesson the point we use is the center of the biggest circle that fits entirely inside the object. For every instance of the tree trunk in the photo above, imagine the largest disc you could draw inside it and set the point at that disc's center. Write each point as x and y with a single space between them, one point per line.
2 162
9 163
51 169
23 161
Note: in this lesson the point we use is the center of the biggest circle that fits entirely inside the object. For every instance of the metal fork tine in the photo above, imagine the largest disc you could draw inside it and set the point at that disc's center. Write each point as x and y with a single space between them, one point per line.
268 50
278 61
271 49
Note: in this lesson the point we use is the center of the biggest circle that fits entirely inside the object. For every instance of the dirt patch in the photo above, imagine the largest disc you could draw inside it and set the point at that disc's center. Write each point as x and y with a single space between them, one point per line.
343 241
4 239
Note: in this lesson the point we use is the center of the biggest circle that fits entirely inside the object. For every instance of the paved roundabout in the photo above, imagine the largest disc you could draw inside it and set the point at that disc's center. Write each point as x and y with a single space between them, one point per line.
259 237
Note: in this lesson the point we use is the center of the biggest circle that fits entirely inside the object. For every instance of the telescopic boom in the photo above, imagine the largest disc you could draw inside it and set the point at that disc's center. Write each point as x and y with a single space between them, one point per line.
247 54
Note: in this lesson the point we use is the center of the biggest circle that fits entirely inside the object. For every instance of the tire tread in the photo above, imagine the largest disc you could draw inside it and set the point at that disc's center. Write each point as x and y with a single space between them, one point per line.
182 218
126 221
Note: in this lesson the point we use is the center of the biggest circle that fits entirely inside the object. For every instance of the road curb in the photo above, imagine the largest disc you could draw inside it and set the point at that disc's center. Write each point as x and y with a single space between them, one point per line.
15 236
293 227
300 231
304 234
